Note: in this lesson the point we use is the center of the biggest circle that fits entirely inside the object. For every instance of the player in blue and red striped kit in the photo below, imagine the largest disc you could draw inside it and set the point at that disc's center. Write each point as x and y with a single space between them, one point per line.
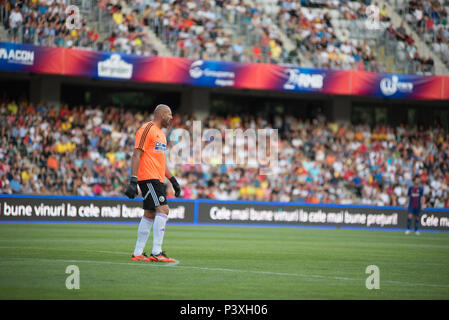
415 204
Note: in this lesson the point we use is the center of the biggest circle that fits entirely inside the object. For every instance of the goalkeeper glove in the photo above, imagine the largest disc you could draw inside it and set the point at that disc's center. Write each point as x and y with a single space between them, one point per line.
176 186
131 190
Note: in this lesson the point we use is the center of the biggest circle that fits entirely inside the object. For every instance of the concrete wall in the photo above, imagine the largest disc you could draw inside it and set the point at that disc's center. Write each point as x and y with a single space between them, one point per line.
45 90
194 99
341 109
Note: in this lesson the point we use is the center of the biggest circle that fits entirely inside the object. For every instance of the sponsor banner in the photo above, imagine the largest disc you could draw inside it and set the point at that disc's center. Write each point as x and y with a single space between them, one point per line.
445 88
112 65
29 58
86 209
218 74
213 73
336 216
398 85
295 79
55 208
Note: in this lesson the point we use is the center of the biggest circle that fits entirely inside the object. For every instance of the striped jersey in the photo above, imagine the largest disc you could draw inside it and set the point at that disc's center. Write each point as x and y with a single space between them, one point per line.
152 141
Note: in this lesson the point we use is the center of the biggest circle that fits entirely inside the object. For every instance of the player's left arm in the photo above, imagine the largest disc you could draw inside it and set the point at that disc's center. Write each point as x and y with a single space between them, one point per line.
407 202
174 182
423 199
168 174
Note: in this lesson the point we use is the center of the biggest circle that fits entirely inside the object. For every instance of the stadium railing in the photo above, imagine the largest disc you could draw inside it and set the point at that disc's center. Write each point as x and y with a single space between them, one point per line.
3 13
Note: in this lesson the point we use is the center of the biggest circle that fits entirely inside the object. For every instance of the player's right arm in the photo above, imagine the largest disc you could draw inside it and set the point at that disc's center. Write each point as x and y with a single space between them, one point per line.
139 145
407 202
135 160
131 189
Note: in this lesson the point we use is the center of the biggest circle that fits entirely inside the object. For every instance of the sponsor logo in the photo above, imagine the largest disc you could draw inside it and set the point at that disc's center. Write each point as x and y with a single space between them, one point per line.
84 210
195 69
17 56
160 147
390 86
222 78
161 199
325 216
296 79
115 67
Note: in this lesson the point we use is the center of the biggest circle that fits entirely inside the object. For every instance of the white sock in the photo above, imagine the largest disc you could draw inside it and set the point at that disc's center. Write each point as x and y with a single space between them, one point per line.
158 232
143 233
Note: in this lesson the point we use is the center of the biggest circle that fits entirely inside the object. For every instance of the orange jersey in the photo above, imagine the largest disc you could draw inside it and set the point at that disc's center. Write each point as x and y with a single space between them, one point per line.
152 141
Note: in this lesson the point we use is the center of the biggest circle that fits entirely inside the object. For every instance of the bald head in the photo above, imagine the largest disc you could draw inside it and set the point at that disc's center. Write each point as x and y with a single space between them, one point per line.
161 108
162 115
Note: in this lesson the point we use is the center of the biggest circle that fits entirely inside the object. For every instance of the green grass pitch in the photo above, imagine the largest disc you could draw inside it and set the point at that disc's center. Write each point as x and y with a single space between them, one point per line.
221 263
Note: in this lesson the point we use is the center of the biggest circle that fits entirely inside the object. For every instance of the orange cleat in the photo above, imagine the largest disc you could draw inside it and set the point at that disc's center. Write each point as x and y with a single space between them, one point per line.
161 257
142 257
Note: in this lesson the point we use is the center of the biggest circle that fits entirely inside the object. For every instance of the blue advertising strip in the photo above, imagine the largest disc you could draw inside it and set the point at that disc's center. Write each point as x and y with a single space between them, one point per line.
207 212
195 201
196 212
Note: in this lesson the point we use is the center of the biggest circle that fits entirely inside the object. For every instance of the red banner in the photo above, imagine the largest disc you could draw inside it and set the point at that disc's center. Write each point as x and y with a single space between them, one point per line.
219 74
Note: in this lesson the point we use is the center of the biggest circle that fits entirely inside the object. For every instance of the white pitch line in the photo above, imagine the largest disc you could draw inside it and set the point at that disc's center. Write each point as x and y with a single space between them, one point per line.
176 266
66 249
82 250
137 263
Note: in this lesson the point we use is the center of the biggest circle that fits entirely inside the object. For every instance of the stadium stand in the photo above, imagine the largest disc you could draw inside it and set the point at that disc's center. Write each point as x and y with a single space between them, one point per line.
102 25
321 31
85 150
220 30
429 19
326 34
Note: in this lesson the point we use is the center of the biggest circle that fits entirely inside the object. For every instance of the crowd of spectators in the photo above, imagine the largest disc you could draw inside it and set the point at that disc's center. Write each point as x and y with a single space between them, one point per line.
44 22
128 34
332 36
261 35
316 36
230 30
86 151
407 45
192 28
430 20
